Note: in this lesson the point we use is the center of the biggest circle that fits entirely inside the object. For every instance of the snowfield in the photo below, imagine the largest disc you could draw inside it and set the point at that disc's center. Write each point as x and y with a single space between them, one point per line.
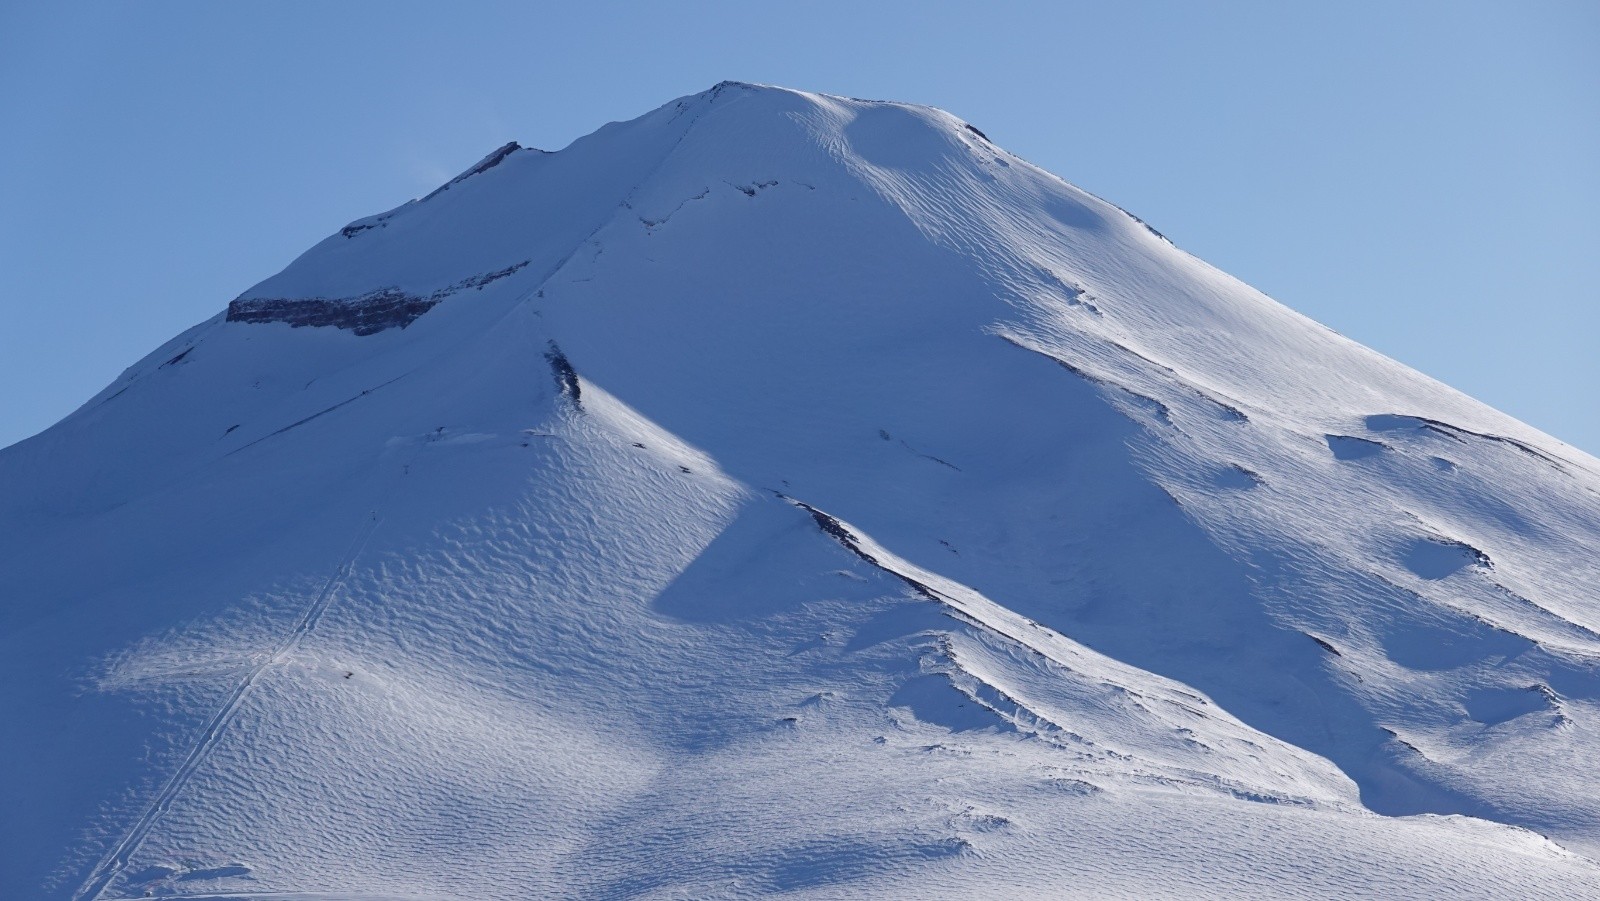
782 494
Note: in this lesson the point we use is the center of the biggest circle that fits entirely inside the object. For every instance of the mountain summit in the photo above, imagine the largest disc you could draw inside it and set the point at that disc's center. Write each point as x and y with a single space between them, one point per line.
780 493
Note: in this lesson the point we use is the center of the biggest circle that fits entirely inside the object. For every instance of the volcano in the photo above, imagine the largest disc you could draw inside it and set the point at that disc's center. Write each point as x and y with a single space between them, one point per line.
786 494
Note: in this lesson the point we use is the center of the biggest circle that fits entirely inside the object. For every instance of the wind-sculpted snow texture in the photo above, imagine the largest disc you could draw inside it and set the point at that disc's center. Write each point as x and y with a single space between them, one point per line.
786 494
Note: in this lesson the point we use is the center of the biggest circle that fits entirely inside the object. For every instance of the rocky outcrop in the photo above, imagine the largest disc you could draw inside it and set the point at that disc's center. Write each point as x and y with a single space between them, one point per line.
366 314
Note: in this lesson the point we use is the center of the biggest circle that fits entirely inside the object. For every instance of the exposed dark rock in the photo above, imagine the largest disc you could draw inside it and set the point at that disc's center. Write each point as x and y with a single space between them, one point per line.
367 314
361 225
753 188
1326 646
566 377
477 281
847 539
489 162
484 165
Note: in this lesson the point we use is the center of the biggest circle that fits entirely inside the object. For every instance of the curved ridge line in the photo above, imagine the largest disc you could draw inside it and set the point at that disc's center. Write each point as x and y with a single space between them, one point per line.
970 612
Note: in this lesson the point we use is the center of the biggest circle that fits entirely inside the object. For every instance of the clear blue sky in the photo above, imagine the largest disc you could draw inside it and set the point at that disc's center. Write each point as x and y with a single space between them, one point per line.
1422 176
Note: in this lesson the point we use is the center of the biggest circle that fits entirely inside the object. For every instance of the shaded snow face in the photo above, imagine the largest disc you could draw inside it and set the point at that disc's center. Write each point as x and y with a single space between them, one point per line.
785 493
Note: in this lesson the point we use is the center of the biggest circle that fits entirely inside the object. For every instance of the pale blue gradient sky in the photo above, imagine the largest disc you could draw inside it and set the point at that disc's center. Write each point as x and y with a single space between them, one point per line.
1421 176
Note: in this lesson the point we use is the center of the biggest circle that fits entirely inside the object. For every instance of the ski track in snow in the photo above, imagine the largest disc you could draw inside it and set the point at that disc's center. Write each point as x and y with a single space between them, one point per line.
112 866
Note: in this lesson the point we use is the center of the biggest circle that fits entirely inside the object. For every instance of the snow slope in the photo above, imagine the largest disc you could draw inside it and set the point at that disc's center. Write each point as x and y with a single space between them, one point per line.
787 494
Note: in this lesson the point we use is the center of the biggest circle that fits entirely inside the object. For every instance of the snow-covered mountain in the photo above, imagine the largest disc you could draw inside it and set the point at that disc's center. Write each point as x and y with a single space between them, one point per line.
781 493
